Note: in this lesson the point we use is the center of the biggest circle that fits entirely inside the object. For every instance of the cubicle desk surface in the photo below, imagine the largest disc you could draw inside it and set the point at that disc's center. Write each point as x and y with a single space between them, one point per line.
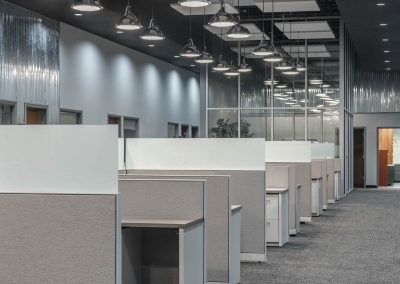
277 216
162 251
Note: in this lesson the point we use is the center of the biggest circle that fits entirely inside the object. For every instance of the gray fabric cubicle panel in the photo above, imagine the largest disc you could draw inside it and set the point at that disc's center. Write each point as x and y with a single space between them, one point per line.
316 169
338 165
162 199
330 167
57 238
274 178
303 177
248 190
218 213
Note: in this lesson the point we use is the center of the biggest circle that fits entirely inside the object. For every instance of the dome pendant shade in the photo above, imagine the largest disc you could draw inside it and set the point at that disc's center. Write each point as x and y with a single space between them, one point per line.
232 71
263 49
284 66
291 72
190 50
205 58
238 32
87 5
275 57
300 67
244 67
152 32
268 82
222 19
129 22
194 3
221 65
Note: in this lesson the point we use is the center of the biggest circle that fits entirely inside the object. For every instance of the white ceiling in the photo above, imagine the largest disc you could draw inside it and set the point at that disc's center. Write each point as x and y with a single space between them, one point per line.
306 30
286 5
314 51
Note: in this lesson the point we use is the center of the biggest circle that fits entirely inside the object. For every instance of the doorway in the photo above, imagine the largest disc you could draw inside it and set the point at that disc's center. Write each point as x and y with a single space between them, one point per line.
359 157
388 157
36 115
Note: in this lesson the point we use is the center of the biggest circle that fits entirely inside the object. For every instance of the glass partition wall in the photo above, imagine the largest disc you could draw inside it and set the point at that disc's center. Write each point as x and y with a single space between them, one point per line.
302 107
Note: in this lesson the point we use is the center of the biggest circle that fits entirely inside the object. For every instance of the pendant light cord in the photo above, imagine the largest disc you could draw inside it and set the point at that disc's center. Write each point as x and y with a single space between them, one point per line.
190 23
263 11
204 29
272 23
152 9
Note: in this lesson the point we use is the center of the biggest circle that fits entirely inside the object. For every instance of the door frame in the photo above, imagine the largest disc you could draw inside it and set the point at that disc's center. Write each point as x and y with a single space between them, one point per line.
377 150
39 107
364 154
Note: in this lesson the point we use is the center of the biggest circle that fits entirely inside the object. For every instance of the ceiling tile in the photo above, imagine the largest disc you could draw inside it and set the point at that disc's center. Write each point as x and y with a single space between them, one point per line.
288 6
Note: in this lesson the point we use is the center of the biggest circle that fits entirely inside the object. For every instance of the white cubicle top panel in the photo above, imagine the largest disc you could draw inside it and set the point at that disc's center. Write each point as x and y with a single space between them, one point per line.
58 159
322 150
195 154
287 151
121 153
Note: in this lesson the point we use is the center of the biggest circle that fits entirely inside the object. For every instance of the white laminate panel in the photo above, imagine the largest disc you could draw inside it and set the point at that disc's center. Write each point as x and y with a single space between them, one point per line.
272 231
65 159
287 151
195 154
272 207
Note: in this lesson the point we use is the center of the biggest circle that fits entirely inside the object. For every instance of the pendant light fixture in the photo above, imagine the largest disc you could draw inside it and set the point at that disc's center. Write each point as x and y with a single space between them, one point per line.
243 67
263 48
232 71
222 19
274 56
152 32
221 65
194 3
299 65
190 50
292 71
284 65
205 57
87 5
238 31
268 79
129 21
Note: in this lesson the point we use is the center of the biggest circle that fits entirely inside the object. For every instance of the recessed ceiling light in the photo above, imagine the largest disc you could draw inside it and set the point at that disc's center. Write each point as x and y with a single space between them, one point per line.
380 4
383 24
119 32
177 56
385 39
387 61
386 51
192 65
388 69
151 45
78 14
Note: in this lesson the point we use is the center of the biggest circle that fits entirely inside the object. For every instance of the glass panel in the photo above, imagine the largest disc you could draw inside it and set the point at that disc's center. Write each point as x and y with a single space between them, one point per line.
69 117
254 93
223 123
284 120
256 124
331 128
223 91
299 125
315 126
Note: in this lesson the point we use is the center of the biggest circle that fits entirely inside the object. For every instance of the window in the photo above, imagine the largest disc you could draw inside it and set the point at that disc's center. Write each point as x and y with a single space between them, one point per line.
70 117
195 132
173 130
115 119
185 131
36 115
6 114
131 127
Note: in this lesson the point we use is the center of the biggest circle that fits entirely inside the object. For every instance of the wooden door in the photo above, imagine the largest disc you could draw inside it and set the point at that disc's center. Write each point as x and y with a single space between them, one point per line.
383 167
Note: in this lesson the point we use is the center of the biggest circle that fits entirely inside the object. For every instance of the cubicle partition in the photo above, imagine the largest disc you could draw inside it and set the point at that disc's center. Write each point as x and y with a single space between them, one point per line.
164 231
285 177
298 154
242 160
220 258
331 180
338 179
317 189
59 204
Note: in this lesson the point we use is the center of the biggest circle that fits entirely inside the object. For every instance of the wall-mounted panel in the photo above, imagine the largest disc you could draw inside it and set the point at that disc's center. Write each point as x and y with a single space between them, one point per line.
29 65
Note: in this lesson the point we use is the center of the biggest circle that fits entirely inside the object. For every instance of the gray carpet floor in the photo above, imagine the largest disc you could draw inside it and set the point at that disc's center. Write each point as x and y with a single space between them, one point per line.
356 241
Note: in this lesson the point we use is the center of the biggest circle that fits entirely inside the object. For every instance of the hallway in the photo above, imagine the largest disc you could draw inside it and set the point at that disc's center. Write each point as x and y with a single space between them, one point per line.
355 241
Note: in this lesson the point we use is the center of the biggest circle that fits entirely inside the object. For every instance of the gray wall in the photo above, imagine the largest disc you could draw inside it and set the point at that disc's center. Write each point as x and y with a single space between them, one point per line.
100 77
372 122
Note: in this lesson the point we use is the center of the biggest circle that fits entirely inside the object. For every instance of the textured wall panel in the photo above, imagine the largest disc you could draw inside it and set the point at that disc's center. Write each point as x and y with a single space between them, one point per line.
377 92
29 60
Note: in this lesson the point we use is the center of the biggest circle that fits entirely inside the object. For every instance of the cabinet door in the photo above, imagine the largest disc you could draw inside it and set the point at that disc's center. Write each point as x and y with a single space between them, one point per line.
272 227
272 207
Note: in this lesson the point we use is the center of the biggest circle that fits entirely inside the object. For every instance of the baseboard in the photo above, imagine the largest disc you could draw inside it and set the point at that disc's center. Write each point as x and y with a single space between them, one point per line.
371 186
305 219
293 232
252 257
331 201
